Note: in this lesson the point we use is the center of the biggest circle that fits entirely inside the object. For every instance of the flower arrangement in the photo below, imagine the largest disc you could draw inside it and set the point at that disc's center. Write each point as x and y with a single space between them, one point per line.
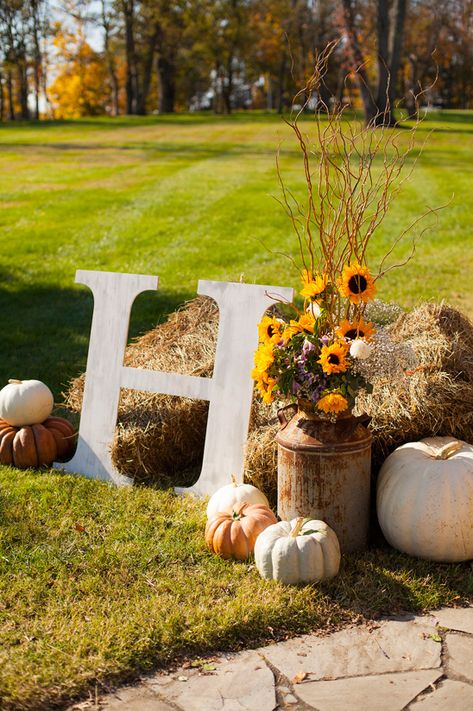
352 173
306 358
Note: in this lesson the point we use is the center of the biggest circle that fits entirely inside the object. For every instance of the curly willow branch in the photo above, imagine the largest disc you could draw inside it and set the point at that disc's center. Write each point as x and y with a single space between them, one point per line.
352 173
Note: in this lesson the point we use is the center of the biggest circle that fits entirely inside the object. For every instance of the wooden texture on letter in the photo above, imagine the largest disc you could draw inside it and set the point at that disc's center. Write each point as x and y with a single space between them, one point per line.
229 391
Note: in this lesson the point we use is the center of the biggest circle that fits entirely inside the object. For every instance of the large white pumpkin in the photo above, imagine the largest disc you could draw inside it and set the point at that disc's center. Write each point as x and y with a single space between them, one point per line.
25 402
298 551
425 499
232 495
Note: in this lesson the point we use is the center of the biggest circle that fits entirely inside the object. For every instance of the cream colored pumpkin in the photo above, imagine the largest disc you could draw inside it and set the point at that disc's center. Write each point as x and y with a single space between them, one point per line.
234 495
25 402
425 499
299 551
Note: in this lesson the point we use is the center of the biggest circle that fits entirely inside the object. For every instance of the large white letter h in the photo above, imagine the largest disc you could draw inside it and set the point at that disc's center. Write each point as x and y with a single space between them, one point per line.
229 391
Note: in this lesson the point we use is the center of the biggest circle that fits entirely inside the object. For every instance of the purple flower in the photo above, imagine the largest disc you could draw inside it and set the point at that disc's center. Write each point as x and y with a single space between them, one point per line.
307 348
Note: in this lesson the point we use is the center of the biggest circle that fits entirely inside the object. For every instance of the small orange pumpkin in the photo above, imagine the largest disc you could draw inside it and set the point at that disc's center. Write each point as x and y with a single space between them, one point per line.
233 534
36 445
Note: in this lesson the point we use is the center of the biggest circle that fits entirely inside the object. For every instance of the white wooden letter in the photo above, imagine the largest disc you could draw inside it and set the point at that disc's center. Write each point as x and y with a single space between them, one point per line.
229 390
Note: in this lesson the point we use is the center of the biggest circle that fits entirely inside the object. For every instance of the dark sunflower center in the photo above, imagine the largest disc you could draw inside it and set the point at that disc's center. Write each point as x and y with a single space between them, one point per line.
354 333
357 284
271 331
333 359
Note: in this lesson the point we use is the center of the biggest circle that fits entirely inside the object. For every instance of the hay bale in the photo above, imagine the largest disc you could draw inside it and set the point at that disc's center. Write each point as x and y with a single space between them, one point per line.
436 398
160 438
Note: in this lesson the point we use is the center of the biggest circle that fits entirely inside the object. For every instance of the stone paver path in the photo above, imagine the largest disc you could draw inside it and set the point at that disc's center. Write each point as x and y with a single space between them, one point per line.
412 663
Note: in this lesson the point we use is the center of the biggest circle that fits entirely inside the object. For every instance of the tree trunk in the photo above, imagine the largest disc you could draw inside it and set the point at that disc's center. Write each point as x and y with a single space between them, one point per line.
23 89
167 84
369 104
281 83
110 62
227 87
147 70
269 94
2 100
395 48
383 116
11 103
131 63
37 59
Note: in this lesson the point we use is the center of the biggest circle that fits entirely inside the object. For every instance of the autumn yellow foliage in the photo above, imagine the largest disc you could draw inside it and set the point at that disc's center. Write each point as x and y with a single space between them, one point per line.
80 89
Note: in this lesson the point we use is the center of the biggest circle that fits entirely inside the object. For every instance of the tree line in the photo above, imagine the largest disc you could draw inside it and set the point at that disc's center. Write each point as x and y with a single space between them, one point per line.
80 58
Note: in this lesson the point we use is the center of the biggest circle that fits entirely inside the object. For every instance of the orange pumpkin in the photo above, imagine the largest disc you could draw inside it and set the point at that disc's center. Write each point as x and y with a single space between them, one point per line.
36 445
233 534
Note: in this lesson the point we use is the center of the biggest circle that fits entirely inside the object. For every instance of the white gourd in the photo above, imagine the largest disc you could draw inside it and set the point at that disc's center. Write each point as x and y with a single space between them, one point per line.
425 499
25 402
298 551
225 498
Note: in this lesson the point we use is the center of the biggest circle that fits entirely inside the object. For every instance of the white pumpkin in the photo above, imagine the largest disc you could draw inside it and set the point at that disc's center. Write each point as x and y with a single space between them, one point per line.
298 551
425 499
25 402
225 498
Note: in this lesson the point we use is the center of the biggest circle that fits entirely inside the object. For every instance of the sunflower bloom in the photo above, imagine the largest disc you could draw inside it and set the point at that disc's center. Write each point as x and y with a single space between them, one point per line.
332 403
333 358
270 330
314 289
264 357
356 283
265 388
357 328
305 323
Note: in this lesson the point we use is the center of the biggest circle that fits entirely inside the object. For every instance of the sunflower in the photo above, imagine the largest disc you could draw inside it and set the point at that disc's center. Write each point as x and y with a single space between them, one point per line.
264 357
314 288
356 283
332 403
270 330
357 328
265 387
332 358
305 323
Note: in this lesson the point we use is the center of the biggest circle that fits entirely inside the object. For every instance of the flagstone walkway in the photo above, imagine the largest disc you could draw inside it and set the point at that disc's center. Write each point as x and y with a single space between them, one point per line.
404 662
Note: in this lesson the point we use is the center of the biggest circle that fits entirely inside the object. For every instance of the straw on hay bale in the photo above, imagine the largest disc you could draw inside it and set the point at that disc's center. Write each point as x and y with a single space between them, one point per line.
160 438
436 398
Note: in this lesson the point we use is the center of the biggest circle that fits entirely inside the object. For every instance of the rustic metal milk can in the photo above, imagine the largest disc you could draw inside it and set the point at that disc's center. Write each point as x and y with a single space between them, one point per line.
324 472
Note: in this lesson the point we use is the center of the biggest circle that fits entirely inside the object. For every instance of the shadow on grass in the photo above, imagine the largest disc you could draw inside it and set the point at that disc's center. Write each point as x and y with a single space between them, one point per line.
198 149
382 581
45 329
187 119
208 118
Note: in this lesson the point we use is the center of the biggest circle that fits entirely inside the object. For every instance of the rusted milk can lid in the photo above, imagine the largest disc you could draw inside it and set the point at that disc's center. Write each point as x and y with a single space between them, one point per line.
309 432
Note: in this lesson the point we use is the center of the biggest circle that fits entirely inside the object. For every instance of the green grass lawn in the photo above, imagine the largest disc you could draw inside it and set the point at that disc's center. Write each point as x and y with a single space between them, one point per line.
186 198
98 583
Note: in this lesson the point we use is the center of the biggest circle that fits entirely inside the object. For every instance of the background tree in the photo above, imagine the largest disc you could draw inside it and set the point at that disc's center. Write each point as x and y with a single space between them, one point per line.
379 100
78 90
167 55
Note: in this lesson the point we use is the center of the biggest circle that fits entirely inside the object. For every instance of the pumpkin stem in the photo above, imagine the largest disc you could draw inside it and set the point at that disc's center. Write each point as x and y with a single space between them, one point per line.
448 450
13 380
238 512
298 525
